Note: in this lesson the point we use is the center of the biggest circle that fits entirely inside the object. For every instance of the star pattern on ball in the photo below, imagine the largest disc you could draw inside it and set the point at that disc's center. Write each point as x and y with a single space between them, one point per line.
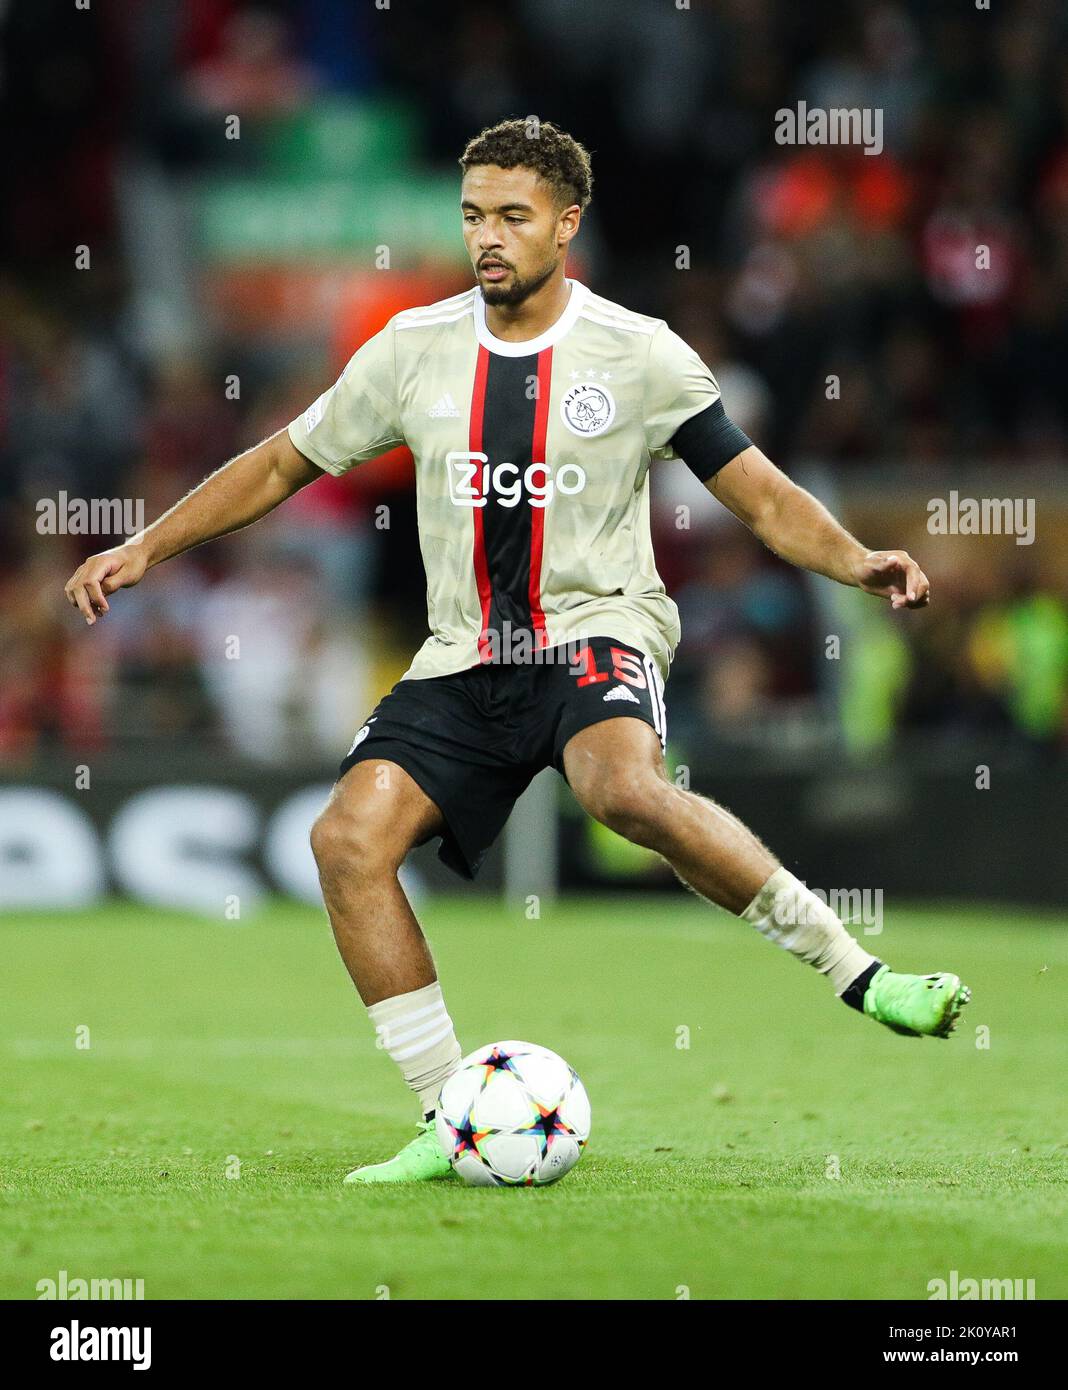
524 1129
498 1061
465 1137
548 1125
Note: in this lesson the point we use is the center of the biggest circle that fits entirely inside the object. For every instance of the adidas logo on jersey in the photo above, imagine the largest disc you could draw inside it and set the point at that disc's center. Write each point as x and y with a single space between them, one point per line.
620 692
444 409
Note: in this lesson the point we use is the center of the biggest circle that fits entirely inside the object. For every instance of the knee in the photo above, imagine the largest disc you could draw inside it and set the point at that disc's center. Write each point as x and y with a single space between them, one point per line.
631 804
345 842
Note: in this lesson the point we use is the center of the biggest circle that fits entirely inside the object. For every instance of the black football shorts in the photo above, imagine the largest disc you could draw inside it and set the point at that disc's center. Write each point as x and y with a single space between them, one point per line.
473 740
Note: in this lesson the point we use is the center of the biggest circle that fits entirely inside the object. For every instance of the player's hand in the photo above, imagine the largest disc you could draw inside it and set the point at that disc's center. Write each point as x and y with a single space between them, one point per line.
895 575
100 575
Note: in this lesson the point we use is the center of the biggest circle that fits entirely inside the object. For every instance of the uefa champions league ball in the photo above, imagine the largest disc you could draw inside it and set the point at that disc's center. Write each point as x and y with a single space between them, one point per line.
513 1115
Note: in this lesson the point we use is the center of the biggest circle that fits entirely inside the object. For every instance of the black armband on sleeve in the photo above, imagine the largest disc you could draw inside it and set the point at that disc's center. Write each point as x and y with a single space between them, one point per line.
709 440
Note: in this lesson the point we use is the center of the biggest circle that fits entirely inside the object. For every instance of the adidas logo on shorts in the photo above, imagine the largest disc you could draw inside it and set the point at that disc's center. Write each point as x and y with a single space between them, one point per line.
620 692
444 409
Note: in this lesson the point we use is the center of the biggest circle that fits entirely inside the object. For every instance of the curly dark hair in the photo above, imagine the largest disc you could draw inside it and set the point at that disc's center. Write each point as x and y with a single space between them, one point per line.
528 143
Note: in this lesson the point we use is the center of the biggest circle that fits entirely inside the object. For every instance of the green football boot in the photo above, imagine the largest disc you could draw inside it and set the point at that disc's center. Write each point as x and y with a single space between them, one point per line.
916 1005
419 1161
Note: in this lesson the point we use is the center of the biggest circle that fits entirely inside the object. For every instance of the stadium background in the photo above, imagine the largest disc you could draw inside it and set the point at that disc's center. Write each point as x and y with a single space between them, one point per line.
233 267
751 1138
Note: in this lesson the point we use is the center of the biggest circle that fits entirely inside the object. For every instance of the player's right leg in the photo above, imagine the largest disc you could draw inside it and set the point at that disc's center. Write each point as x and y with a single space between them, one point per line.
375 815
437 757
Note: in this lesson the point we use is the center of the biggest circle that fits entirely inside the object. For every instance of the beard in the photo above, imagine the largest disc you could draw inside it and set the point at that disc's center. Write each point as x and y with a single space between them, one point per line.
519 289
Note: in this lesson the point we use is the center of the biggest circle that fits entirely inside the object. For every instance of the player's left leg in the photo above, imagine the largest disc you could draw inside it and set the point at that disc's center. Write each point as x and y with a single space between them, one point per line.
616 770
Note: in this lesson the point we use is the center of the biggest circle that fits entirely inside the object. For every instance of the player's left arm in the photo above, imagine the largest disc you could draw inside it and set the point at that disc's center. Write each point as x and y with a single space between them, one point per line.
800 529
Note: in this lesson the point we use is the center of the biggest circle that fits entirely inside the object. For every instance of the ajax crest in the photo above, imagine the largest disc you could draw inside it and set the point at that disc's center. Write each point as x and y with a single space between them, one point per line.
588 409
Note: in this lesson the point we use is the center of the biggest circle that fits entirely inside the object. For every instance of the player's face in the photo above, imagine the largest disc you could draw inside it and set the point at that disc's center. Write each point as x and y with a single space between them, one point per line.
516 235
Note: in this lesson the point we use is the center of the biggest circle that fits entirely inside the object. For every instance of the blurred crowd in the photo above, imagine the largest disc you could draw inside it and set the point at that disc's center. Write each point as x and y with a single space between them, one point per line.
841 300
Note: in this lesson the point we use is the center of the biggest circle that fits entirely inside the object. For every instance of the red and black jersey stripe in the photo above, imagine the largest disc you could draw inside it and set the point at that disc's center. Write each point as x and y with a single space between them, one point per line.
509 422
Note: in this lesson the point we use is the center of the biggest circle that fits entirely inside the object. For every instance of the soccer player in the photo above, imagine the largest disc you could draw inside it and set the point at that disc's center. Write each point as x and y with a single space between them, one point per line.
535 410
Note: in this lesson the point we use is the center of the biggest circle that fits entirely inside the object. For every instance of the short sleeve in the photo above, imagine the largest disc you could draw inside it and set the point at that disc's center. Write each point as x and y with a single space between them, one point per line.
358 417
678 386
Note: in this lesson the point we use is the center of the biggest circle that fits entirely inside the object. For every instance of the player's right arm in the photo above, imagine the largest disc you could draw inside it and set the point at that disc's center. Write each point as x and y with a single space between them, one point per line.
235 495
356 419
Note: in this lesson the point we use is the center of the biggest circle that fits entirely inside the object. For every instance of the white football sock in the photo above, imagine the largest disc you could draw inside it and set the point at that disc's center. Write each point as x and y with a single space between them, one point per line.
792 916
416 1030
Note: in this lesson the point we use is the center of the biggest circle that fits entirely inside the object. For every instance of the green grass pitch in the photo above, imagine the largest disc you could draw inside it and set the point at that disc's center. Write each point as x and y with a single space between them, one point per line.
710 1168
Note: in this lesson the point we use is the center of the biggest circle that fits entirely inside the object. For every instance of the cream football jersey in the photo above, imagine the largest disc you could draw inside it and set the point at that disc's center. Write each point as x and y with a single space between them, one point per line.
532 468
